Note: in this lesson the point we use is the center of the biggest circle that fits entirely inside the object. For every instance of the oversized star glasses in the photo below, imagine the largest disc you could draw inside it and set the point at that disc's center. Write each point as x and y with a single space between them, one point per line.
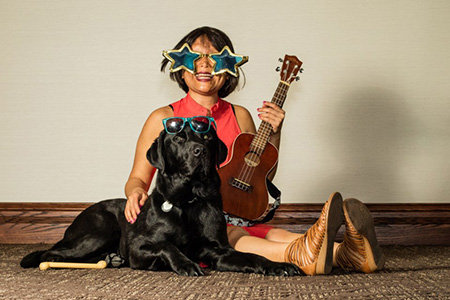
199 124
223 61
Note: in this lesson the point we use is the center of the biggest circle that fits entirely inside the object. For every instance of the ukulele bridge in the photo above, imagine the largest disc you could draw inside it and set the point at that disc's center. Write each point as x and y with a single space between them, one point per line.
239 184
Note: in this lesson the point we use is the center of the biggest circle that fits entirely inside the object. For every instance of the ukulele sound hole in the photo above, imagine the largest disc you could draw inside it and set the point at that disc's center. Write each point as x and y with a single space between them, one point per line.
252 159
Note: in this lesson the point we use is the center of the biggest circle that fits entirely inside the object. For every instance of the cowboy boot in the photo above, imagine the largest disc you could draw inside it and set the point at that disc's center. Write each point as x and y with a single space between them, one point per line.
313 251
359 250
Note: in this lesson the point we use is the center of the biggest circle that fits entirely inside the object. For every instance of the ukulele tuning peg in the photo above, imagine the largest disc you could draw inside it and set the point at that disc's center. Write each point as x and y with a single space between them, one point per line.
278 69
280 60
297 78
301 70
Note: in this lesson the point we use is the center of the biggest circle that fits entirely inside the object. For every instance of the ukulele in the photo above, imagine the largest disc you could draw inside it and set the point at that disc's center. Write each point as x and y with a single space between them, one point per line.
253 157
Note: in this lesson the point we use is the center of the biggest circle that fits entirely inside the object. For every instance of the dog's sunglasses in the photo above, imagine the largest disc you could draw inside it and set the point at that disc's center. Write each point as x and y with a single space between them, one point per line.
199 124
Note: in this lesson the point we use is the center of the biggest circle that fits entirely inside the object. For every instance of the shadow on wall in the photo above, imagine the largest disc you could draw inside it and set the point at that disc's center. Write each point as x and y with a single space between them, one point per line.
367 137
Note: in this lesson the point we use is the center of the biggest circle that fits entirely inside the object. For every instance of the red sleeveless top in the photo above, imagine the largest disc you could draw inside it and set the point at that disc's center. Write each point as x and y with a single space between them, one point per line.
222 112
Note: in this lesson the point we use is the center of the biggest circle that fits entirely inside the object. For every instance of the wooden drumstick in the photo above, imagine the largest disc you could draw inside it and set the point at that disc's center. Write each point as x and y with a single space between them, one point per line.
50 264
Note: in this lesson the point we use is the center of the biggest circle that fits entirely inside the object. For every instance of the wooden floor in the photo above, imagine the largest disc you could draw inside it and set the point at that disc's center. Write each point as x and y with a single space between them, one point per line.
396 224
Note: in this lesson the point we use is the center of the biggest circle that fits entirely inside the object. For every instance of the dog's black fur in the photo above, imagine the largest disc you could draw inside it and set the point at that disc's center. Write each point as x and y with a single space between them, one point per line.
193 231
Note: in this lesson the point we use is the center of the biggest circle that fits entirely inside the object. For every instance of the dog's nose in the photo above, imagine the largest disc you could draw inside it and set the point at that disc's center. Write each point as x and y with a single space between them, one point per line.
199 150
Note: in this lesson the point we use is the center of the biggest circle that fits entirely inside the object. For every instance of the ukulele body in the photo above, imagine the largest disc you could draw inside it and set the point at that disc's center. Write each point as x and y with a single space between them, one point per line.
243 179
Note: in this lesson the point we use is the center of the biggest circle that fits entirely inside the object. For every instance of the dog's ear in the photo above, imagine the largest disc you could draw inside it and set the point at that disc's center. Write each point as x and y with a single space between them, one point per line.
222 152
155 154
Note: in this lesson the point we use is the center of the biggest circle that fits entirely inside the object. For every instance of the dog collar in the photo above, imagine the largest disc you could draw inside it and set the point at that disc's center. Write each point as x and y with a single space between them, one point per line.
166 206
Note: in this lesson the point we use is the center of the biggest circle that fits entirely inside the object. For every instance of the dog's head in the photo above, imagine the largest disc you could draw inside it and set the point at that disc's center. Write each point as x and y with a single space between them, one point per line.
187 153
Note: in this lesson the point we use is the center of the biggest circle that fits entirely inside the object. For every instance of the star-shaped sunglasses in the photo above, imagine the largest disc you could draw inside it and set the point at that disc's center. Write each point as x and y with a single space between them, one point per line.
224 61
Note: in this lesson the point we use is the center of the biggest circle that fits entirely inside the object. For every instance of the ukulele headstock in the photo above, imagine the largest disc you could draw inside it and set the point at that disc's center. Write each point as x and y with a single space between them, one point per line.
290 68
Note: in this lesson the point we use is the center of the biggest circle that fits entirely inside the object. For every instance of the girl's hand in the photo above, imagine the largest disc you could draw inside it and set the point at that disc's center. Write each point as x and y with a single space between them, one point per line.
273 114
134 203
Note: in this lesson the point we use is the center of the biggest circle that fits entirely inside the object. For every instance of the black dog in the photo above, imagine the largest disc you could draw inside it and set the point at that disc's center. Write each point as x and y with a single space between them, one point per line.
180 225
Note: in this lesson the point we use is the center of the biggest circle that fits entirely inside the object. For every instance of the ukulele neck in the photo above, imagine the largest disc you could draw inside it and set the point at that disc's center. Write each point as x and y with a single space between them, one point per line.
265 129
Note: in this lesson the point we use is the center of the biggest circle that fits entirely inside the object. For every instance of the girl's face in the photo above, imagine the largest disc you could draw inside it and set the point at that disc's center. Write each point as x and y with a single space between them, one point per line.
202 83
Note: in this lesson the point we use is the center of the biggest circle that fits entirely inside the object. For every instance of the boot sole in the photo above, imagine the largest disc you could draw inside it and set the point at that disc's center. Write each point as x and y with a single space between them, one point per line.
360 218
334 221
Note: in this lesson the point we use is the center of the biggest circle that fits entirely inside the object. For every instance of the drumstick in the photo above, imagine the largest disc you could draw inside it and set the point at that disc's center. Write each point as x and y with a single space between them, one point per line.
50 264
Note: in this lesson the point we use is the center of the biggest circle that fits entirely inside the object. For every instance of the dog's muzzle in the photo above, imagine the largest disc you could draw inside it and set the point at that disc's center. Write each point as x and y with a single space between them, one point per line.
201 155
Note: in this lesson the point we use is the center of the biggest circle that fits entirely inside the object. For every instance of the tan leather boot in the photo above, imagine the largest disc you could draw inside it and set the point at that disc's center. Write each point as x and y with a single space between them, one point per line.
313 251
359 250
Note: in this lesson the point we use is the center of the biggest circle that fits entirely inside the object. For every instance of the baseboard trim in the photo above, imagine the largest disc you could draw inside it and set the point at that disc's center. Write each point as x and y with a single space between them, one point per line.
395 224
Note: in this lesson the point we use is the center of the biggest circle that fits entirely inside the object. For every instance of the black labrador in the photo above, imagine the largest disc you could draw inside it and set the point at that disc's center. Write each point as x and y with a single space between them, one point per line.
180 225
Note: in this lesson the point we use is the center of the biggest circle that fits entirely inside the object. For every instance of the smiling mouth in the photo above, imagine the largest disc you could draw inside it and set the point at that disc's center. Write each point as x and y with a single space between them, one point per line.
203 76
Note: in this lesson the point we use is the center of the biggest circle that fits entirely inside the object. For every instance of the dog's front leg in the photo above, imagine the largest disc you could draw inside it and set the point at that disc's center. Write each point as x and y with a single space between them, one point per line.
228 259
163 256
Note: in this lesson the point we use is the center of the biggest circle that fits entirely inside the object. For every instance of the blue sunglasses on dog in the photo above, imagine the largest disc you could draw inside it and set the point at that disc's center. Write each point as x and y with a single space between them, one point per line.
199 124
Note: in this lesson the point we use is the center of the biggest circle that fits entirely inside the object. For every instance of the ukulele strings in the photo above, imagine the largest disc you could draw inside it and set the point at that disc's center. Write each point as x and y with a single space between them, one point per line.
258 145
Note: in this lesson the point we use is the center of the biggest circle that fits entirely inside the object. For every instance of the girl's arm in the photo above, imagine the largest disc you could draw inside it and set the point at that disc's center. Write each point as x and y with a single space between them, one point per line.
136 188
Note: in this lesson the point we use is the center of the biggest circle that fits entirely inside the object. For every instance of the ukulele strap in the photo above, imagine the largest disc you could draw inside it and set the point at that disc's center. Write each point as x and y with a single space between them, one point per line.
275 193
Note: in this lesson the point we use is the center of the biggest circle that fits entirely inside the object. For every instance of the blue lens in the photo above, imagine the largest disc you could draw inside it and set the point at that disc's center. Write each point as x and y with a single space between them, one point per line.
200 124
173 125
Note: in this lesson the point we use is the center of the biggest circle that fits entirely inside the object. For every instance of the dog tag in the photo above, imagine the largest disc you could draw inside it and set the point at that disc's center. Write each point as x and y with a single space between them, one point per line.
166 206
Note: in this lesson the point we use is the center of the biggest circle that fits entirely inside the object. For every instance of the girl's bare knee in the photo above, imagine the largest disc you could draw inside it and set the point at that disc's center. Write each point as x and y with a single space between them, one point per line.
281 235
234 234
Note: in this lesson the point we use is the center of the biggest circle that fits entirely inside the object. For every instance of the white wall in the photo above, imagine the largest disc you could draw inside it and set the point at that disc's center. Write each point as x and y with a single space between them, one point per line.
370 117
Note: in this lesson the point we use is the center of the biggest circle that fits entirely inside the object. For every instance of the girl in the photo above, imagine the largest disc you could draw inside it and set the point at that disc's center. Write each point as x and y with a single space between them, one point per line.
207 79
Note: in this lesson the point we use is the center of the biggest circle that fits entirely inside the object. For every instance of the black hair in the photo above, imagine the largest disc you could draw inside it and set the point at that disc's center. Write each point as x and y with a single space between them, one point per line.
219 40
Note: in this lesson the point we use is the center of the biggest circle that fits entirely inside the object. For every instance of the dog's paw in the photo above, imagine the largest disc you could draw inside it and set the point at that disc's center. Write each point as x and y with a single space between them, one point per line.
282 269
188 269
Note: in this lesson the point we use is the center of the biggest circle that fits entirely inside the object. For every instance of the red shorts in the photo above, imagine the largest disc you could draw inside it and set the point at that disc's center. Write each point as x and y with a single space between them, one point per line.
258 230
